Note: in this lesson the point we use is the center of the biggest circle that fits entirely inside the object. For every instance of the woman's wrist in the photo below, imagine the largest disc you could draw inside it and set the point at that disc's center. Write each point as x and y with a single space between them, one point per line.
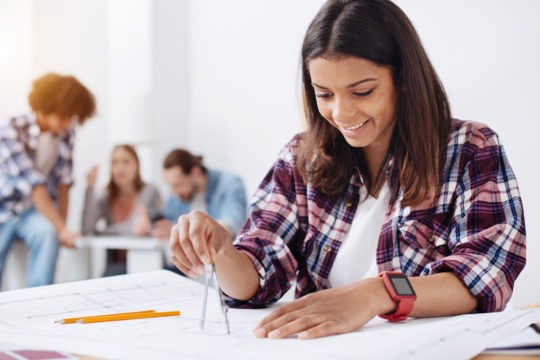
379 301
237 274
225 257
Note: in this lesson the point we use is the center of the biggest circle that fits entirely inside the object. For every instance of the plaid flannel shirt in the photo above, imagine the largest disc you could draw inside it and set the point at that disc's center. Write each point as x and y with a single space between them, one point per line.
18 143
476 229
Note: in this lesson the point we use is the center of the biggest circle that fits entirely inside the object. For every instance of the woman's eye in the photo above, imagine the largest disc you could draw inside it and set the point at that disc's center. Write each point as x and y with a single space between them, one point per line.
364 93
323 95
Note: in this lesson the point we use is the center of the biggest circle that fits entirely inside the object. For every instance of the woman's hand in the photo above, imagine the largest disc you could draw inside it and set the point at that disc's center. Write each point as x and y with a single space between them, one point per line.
67 237
91 176
142 224
328 312
162 229
197 239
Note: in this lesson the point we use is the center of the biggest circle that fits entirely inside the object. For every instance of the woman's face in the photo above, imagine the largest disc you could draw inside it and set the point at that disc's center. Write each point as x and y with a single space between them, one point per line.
357 97
123 167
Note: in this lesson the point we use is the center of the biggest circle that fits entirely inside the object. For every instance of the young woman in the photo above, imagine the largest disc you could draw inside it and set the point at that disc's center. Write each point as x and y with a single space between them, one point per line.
126 207
384 182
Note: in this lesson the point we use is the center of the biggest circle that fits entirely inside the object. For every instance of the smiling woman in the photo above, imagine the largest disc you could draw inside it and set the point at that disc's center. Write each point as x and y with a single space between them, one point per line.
383 181
363 111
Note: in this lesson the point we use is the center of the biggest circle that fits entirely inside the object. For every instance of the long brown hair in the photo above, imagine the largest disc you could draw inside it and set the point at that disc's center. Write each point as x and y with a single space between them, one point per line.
112 188
379 31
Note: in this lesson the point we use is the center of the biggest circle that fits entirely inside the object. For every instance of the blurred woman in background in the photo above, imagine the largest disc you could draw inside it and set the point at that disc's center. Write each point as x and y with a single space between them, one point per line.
124 208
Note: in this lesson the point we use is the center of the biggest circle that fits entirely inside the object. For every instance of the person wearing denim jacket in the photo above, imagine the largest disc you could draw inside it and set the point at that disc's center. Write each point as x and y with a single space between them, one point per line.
220 194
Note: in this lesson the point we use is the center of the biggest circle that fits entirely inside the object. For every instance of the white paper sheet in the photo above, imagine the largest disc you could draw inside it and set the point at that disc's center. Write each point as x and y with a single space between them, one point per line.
27 317
526 342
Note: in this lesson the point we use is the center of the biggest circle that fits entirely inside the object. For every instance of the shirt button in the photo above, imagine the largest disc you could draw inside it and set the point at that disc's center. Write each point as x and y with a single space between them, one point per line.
327 248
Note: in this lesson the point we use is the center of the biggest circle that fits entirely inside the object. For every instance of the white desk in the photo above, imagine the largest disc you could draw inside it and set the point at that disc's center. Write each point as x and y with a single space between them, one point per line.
29 315
143 253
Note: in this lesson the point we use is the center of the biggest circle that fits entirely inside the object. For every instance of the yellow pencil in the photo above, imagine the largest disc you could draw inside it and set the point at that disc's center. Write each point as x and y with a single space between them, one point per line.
87 320
74 320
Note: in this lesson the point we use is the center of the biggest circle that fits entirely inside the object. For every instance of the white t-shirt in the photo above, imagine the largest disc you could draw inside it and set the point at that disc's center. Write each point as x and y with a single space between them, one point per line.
46 153
355 259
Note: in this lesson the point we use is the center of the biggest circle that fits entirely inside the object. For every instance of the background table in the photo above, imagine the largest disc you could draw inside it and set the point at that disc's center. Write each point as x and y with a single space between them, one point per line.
143 253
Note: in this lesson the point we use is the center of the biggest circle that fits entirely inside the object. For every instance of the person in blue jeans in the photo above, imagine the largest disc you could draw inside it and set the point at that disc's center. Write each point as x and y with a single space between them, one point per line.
36 172
220 194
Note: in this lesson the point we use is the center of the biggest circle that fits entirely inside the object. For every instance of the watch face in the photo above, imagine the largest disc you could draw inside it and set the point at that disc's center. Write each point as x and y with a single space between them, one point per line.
401 284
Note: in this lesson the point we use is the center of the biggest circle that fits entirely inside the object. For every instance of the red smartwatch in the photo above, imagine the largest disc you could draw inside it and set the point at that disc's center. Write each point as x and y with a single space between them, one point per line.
400 290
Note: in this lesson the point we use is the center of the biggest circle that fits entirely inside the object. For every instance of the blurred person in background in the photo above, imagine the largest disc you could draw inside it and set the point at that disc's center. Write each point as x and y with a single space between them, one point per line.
193 186
124 208
36 165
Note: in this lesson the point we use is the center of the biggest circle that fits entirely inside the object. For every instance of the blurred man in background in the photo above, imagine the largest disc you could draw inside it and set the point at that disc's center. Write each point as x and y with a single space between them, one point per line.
36 172
195 187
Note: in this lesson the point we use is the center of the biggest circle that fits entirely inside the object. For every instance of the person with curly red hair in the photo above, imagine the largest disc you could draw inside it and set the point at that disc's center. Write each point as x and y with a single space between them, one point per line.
36 162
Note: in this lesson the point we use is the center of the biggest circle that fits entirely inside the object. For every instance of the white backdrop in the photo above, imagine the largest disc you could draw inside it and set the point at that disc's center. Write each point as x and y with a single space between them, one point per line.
224 77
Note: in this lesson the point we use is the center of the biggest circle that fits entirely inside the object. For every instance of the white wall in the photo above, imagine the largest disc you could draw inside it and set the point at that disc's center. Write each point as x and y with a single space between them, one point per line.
129 77
15 56
244 103
171 78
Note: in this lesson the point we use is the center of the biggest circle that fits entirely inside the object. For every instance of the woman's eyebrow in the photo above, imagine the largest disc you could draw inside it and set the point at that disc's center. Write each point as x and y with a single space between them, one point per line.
356 83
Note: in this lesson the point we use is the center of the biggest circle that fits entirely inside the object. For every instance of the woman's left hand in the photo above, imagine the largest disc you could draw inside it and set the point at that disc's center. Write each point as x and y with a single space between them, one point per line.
142 224
328 312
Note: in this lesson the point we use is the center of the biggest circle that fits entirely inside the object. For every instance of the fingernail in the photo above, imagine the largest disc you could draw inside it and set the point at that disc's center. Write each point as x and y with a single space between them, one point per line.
273 334
259 332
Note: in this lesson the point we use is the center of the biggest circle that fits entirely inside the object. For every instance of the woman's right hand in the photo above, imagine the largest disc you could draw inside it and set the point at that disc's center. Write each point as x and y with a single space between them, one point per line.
91 176
67 237
198 239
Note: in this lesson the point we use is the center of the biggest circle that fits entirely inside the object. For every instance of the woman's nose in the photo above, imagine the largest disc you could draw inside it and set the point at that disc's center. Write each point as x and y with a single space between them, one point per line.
343 110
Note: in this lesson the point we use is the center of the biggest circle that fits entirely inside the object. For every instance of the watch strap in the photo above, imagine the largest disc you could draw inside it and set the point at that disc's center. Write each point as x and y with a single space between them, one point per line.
404 303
